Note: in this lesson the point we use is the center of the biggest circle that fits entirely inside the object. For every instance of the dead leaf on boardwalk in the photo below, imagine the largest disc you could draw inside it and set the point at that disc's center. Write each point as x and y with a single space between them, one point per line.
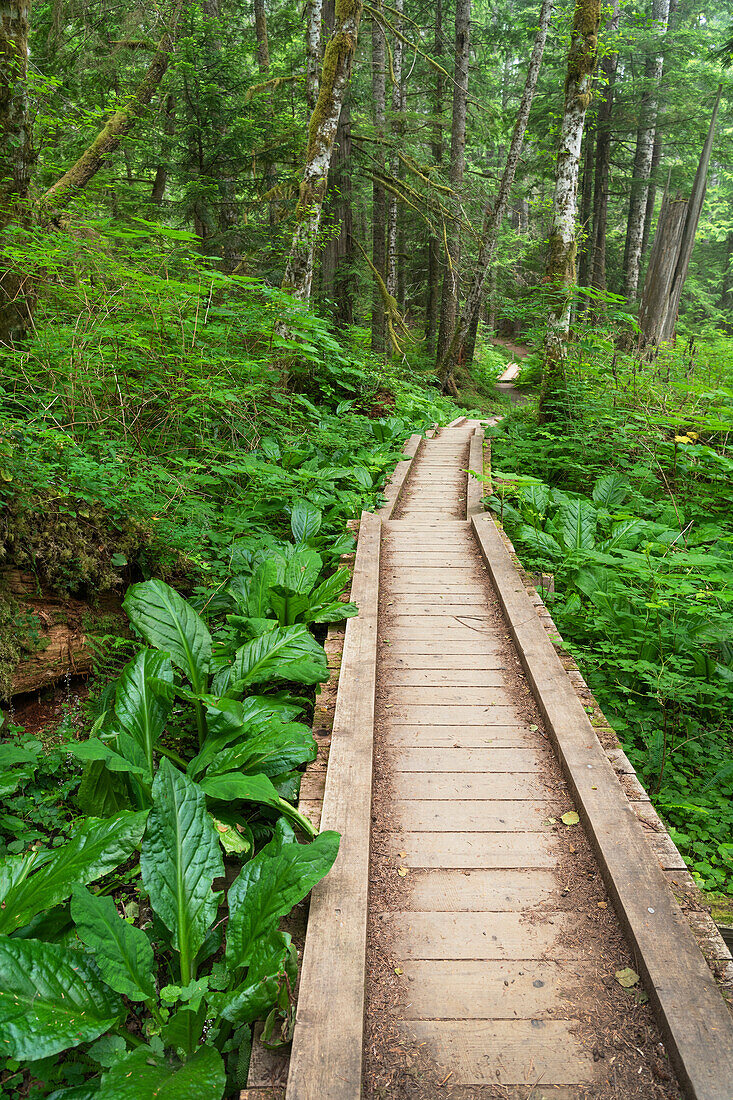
627 977
402 871
550 821
570 818
398 970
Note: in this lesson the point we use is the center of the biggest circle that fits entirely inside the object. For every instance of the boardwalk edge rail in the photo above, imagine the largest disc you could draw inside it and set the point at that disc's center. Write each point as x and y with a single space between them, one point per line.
327 1052
695 1019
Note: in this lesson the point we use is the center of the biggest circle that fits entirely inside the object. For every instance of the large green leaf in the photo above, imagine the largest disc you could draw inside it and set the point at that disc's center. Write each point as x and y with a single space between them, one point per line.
302 571
577 524
96 749
275 750
625 535
141 710
258 602
333 586
286 653
305 520
230 720
179 861
51 999
122 952
235 787
169 623
146 1075
289 606
96 848
541 542
611 490
270 885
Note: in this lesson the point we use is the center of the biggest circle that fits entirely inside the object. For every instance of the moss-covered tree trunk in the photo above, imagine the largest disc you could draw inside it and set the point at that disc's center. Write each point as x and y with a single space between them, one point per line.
55 200
336 71
560 270
16 156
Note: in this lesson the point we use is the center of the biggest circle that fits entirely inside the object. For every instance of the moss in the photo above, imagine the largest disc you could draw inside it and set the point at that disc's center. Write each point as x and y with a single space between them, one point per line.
68 547
20 632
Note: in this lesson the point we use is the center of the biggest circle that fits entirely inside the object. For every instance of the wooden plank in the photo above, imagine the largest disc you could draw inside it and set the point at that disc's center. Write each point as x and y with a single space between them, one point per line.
501 989
472 815
327 1051
507 1052
443 677
495 891
441 935
413 653
464 760
447 606
460 737
399 641
475 488
457 850
452 785
695 1019
446 695
468 715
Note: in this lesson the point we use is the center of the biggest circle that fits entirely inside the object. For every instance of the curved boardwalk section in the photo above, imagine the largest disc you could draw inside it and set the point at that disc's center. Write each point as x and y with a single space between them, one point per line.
493 952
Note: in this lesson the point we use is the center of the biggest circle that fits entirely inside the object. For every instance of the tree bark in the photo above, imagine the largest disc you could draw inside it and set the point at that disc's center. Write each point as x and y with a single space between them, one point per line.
586 207
560 270
55 200
603 162
16 158
338 254
494 212
379 195
314 19
161 175
644 149
335 74
396 163
672 251
263 45
449 302
433 277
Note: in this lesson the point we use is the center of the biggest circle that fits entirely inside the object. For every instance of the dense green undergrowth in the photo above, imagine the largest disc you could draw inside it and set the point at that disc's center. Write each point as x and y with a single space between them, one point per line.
626 496
153 843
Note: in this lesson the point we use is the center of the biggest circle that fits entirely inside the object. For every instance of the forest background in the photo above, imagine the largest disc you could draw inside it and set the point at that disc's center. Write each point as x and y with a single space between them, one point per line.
238 244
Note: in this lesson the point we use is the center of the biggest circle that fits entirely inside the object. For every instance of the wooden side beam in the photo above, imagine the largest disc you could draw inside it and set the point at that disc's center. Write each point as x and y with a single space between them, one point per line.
396 483
326 1060
475 489
695 1020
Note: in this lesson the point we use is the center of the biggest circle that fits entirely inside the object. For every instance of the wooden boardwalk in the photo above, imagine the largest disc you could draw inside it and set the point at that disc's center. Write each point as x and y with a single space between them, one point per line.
466 923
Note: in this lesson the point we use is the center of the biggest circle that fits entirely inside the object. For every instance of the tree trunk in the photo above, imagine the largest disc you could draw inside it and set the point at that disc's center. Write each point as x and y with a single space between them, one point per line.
338 254
379 195
651 195
644 149
161 175
16 158
603 162
433 278
494 212
396 163
586 207
672 251
313 25
55 200
560 271
449 303
263 46
335 75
